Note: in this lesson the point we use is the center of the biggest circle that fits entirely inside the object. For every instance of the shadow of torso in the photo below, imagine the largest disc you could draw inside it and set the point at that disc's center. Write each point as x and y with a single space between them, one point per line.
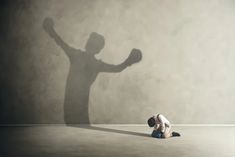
83 71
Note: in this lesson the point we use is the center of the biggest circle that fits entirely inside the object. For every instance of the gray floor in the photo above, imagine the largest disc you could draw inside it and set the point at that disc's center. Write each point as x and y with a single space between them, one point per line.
111 141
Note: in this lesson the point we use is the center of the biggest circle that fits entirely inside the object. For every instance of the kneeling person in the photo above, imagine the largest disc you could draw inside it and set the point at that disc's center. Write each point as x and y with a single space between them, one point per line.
162 127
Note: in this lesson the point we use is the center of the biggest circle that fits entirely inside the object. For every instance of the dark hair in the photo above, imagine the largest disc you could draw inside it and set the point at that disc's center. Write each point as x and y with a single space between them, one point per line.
151 122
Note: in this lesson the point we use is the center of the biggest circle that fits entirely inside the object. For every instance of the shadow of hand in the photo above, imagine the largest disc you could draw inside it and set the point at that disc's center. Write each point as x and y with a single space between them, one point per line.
48 24
134 57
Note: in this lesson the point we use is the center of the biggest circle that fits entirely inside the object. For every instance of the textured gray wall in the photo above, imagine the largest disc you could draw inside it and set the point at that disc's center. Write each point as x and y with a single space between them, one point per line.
186 73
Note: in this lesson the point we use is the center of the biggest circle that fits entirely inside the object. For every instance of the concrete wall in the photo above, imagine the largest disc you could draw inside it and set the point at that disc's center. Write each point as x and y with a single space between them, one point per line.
186 73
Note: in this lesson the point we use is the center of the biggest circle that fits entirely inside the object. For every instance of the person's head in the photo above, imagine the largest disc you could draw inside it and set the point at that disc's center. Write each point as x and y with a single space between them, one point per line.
151 122
95 43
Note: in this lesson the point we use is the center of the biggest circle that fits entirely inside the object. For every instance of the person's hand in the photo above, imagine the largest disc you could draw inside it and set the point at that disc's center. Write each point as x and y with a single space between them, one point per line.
48 24
134 57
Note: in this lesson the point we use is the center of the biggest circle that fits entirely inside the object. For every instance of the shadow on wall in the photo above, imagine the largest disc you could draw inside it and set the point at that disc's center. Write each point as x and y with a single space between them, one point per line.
84 68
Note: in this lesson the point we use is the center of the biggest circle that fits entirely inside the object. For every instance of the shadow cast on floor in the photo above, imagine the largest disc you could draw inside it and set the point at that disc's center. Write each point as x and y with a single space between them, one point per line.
110 130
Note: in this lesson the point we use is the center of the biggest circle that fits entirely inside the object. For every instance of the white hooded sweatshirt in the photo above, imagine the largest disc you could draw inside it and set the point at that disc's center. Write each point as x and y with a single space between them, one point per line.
162 123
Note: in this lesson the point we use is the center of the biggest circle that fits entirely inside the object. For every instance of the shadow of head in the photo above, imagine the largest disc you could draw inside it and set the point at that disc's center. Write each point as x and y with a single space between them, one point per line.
95 43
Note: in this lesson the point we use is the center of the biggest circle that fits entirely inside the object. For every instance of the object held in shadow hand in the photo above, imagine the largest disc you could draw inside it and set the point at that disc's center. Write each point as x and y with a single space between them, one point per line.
48 24
134 57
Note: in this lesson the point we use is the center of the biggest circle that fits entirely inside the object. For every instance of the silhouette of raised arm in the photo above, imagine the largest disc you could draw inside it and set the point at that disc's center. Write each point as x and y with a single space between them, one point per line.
113 68
134 57
48 26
